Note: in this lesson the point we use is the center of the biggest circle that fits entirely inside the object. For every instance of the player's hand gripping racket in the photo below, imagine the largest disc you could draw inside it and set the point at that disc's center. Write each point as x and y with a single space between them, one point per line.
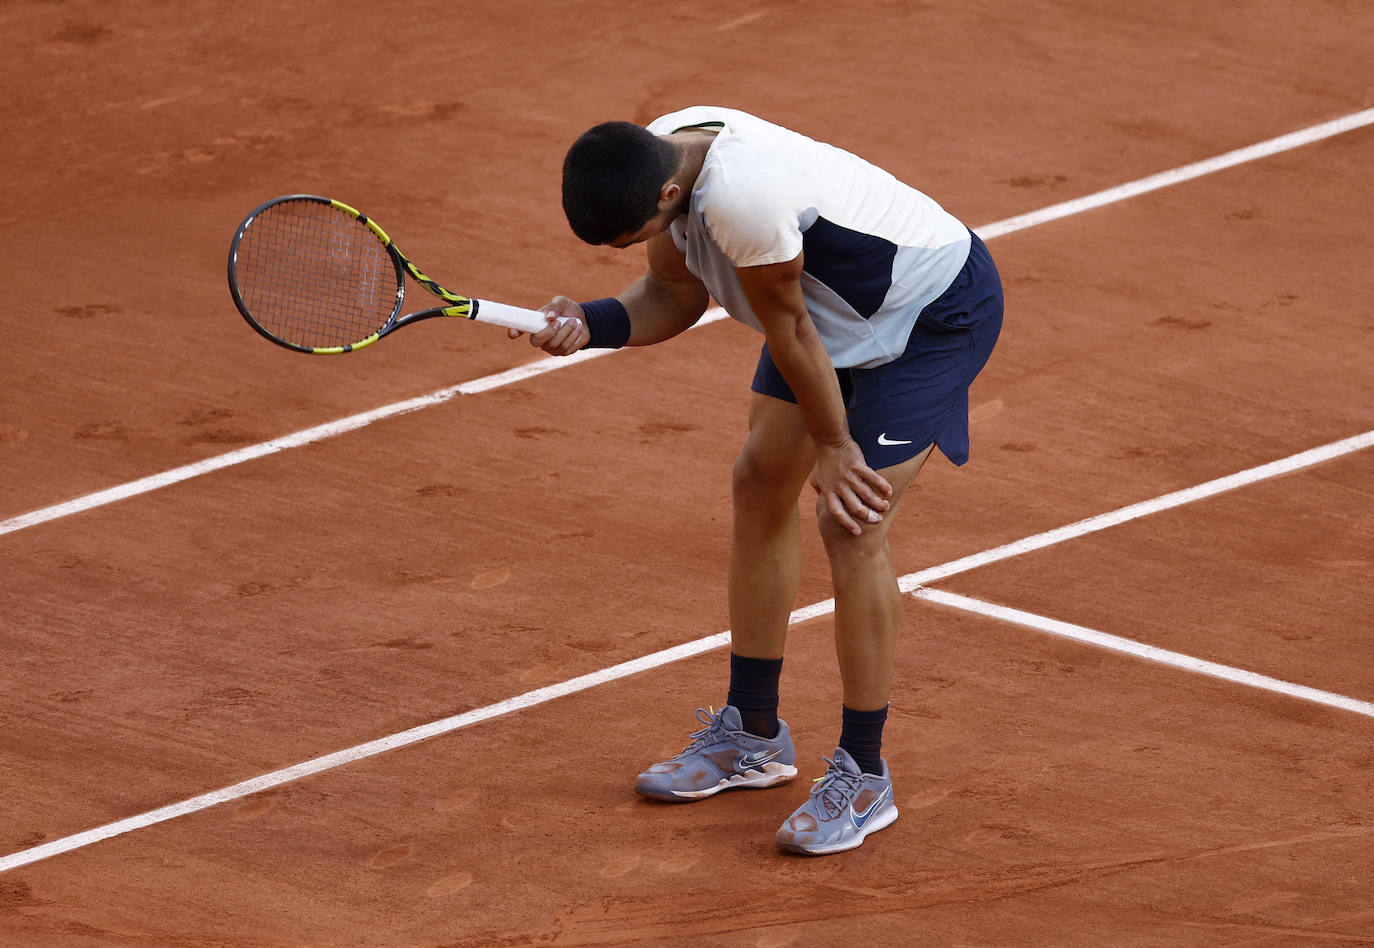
317 276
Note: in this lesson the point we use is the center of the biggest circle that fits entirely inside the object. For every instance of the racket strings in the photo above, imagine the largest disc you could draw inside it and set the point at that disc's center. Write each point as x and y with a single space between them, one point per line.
315 276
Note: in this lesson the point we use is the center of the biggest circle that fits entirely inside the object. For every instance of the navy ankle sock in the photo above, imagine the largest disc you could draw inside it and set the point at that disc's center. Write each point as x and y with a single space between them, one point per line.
754 692
861 735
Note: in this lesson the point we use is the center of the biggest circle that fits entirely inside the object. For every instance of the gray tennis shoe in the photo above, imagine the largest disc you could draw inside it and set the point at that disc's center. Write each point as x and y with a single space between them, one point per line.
722 756
844 807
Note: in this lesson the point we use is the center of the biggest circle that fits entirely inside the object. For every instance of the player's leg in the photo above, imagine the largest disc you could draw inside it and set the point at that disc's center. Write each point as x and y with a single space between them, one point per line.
854 796
868 604
896 412
765 555
745 744
765 544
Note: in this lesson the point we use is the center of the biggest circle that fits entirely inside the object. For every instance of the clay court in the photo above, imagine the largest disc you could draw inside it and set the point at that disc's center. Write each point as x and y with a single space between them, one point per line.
291 659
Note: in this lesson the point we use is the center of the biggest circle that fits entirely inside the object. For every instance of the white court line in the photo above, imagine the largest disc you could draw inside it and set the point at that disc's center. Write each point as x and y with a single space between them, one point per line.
1110 519
361 751
1197 169
988 232
322 432
1149 652
909 583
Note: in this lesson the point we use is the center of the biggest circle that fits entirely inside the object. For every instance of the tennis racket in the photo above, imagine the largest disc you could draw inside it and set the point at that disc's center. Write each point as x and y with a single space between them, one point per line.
316 275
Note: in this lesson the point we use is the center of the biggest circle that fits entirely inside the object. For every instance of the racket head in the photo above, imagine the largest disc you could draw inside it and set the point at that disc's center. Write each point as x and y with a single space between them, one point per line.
314 275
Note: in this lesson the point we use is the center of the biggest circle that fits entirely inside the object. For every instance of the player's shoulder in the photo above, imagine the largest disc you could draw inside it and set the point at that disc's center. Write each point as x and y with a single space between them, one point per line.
751 188
751 170
701 116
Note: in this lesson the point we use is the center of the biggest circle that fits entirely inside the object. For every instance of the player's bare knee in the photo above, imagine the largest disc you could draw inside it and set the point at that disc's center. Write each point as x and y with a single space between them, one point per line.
756 485
843 547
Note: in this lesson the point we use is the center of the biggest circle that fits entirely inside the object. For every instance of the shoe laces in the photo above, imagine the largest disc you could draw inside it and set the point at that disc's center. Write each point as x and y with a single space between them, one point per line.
705 736
836 788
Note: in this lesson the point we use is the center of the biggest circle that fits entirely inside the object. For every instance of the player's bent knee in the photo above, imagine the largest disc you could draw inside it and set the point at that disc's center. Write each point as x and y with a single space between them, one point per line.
756 482
843 546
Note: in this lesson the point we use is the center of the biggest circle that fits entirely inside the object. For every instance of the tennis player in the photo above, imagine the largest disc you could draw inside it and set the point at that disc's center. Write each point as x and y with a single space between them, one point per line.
878 309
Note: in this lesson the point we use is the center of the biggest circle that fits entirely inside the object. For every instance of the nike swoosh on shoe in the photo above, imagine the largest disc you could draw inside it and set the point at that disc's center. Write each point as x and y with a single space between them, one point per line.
750 761
858 820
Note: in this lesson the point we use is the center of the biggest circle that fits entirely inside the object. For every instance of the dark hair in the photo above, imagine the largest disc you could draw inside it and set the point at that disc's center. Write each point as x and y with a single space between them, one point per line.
612 177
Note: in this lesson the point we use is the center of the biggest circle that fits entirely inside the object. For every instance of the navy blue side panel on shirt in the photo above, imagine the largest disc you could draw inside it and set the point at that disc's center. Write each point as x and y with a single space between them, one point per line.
898 408
857 267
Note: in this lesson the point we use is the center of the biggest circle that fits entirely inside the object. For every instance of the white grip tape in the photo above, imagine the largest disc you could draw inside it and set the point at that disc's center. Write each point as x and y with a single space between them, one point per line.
512 317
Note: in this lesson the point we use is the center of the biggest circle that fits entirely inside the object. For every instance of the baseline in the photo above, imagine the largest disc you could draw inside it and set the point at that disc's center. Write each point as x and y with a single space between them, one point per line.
910 583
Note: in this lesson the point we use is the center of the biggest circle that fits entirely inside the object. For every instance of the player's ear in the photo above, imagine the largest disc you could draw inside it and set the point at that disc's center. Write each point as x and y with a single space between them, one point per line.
669 194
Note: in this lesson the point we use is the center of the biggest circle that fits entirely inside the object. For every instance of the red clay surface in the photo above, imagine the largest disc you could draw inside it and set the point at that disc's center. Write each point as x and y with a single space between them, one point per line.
303 603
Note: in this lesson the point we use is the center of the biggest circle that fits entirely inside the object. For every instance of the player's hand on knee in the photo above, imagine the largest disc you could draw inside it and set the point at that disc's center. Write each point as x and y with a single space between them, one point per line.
851 491
850 512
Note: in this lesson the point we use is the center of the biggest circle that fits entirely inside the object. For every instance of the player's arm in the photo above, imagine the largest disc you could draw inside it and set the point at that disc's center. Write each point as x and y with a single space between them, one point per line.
852 491
666 301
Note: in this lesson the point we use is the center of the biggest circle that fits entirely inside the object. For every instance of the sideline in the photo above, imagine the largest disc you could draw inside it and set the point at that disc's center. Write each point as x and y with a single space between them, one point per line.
332 429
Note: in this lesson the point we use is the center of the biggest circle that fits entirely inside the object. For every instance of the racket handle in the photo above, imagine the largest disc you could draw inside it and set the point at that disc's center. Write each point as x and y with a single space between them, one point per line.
512 317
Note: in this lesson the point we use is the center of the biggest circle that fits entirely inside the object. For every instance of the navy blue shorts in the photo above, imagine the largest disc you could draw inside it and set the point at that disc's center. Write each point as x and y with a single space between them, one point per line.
920 398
